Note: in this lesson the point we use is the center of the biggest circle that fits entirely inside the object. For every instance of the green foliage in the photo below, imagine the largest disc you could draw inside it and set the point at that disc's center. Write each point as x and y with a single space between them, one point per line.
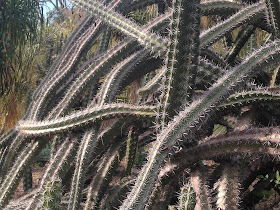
196 117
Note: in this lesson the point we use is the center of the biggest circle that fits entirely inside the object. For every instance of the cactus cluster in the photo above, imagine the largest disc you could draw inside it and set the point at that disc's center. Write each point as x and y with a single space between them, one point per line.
188 87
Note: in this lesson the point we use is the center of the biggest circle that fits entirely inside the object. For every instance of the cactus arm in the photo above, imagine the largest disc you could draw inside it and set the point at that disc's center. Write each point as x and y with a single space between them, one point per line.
273 16
246 15
12 179
186 121
121 23
83 117
87 146
220 7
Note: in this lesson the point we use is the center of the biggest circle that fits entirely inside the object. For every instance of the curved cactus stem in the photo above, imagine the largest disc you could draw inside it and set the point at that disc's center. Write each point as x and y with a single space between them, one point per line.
186 122
153 84
12 179
87 146
111 83
246 15
240 41
200 187
220 7
250 97
228 188
261 141
56 165
273 16
123 24
103 176
83 117
186 197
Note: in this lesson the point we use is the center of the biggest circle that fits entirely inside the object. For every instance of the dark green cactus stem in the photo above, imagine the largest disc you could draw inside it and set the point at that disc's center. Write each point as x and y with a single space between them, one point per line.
119 22
186 58
273 16
87 147
12 179
228 189
170 65
131 149
187 197
248 14
83 117
186 122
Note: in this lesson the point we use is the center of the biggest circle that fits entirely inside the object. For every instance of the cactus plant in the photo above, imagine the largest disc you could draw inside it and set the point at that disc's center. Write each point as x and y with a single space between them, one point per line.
192 87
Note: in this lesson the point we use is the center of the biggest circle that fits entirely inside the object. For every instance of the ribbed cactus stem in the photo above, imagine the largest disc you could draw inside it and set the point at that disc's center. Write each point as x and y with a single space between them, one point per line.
152 85
273 16
87 146
83 117
248 14
116 20
254 96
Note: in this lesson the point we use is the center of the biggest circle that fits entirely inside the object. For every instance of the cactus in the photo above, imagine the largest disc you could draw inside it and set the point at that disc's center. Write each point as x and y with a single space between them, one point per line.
192 87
